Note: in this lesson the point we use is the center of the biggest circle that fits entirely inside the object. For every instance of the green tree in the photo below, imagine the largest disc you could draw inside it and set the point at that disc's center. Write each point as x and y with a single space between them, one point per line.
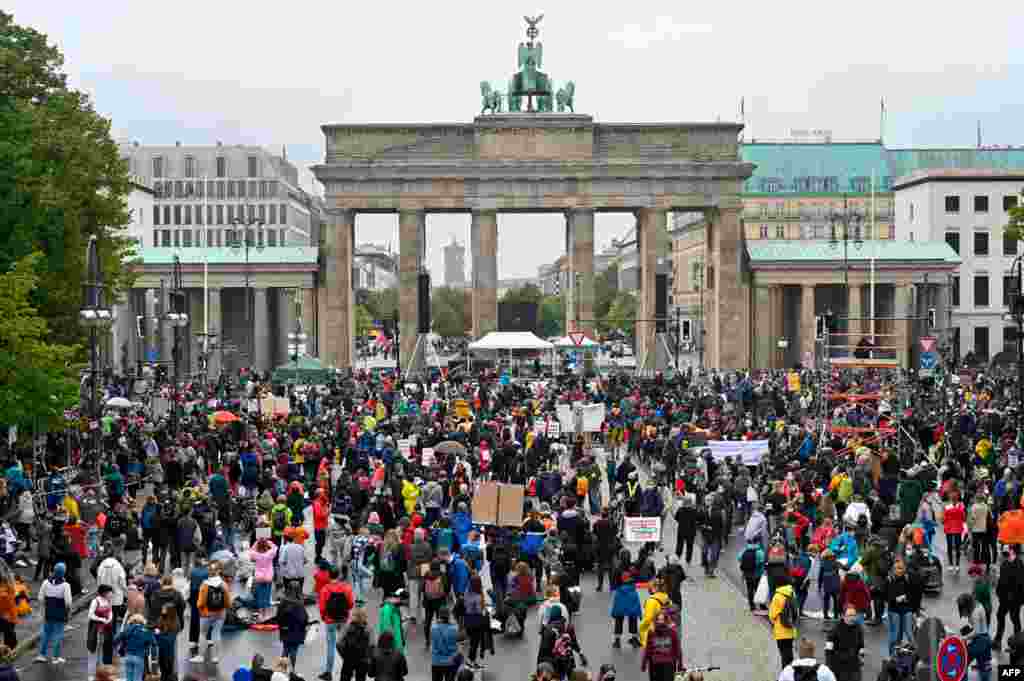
1015 227
606 287
622 313
450 311
383 304
527 293
62 179
37 378
364 322
551 316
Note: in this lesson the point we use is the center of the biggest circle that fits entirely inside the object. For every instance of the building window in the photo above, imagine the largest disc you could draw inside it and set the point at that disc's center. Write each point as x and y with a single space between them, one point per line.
981 243
165 238
186 238
231 214
271 189
231 189
179 189
283 239
910 211
1010 339
199 215
284 215
273 214
220 215
1009 288
229 236
254 167
1009 246
1009 202
167 215
764 231
199 189
250 237
254 189
222 167
211 189
188 190
156 216
263 213
252 213
158 166
241 190
780 231
220 190
981 290
177 238
209 215
861 185
981 342
190 167
952 204
954 294
188 215
271 236
177 216
953 239
259 238
980 204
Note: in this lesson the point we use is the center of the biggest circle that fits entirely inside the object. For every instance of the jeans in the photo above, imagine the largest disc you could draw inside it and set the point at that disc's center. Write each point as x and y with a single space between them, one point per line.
901 625
330 640
361 588
618 625
291 652
193 625
212 626
827 598
53 632
709 556
133 668
953 545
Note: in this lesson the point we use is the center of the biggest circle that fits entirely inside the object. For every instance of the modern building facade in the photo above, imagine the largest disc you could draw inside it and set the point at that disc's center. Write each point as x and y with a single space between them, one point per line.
968 209
245 235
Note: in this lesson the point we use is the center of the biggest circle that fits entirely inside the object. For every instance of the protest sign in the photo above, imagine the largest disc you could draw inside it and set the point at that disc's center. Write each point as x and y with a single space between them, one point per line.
749 452
640 529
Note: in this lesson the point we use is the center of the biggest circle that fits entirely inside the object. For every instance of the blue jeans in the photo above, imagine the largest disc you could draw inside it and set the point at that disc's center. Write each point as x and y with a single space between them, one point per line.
133 668
330 640
291 652
710 555
212 627
53 632
901 625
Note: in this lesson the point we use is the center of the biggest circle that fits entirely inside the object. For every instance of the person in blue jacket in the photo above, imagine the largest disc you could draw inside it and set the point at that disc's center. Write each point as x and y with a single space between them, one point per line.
458 572
444 646
136 640
626 605
462 523
845 549
751 559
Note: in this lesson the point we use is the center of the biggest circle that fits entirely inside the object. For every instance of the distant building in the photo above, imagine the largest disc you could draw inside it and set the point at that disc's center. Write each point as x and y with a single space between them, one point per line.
376 267
454 264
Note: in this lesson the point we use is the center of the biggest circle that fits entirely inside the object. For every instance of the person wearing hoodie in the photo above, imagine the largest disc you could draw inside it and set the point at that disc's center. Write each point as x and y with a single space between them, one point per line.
321 518
444 647
752 561
390 621
625 606
136 640
686 527
782 634
855 592
756 529
845 648
420 555
663 655
655 603
829 584
213 602
55 593
899 595
806 667
292 621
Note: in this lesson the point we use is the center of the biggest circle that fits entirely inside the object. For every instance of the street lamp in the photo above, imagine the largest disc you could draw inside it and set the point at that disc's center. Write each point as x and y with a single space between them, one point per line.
297 348
177 319
1017 309
699 281
245 240
94 315
846 227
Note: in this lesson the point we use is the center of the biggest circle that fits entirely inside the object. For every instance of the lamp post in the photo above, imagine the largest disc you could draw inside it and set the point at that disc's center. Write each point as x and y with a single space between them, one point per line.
177 319
245 240
297 348
846 227
699 281
1018 315
94 315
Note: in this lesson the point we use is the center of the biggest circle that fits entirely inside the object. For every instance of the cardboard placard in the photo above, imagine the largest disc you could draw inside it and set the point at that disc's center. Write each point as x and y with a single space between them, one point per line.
262 533
485 503
427 456
510 505
554 430
405 449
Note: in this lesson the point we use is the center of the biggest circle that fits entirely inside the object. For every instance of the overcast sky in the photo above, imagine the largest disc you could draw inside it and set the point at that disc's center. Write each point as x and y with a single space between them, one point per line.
272 73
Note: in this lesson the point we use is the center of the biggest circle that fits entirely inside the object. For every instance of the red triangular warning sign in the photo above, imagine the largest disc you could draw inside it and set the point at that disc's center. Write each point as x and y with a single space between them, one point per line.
928 343
577 337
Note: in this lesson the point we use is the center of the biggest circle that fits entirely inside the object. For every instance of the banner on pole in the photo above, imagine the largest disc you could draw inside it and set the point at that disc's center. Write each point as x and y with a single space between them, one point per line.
750 452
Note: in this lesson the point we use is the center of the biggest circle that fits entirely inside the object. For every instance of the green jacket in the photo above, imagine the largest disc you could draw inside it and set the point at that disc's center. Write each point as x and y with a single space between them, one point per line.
391 620
909 496
287 518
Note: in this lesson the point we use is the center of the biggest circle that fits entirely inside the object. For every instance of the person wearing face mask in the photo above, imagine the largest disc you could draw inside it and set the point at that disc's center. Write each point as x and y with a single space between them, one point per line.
1010 591
900 597
844 648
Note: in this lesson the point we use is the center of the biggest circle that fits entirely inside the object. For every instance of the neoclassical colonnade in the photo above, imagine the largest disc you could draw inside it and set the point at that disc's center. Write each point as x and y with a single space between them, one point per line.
537 163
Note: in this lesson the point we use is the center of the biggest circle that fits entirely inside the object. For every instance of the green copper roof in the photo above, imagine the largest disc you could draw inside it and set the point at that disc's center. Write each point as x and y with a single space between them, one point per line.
766 251
838 167
270 255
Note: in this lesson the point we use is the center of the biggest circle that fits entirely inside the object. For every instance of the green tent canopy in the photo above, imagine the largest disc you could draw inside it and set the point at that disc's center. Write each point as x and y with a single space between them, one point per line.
305 371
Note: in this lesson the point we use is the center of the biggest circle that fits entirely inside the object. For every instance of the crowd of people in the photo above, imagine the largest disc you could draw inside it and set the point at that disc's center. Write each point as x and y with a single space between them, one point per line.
845 493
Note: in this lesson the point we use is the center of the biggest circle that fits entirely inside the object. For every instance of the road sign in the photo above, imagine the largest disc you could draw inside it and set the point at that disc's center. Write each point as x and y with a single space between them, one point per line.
928 343
951 660
577 337
152 355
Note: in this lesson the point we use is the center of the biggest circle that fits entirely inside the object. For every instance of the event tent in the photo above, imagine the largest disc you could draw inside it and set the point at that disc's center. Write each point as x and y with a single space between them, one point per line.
307 371
509 340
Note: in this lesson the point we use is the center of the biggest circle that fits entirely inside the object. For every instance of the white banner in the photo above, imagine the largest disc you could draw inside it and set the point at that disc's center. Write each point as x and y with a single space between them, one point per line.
749 452
593 417
639 529
565 417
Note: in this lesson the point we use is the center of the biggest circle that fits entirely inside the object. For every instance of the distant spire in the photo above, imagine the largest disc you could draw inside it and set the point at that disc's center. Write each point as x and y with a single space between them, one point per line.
284 152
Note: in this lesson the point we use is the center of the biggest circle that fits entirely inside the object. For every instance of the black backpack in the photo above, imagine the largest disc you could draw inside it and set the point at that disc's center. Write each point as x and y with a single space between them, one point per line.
356 642
279 520
806 673
337 606
214 598
788 615
748 562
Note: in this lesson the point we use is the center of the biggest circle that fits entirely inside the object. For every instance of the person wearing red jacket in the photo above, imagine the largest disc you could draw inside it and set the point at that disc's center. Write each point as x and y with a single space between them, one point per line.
331 625
954 520
663 655
855 594
799 524
321 515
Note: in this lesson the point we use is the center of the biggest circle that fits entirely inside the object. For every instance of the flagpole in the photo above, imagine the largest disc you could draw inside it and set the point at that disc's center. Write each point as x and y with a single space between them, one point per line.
206 280
874 235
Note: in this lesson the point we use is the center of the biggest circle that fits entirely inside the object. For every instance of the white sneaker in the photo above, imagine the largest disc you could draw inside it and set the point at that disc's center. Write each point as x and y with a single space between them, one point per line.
196 659
214 660
58 660
40 658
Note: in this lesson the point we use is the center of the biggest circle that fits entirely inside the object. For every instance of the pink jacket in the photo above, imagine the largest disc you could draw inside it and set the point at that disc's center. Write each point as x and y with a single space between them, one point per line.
264 563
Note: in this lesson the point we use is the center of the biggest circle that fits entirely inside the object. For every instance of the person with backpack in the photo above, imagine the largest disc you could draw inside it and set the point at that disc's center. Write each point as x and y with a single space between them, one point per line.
806 667
388 662
752 561
355 648
625 606
435 595
280 519
845 648
829 584
390 621
362 565
187 538
335 601
559 647
134 643
391 564
783 613
663 654
444 647
213 602
150 521
652 606
552 608
292 620
262 556
292 567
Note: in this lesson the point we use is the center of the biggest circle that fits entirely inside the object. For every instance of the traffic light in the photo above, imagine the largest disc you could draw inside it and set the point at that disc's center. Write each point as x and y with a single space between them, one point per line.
932 319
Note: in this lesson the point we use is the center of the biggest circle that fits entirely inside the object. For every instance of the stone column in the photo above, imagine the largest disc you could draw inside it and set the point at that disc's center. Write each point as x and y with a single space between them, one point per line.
806 327
652 238
308 316
903 307
854 312
217 334
729 291
483 238
580 305
261 330
411 227
763 337
338 299
166 330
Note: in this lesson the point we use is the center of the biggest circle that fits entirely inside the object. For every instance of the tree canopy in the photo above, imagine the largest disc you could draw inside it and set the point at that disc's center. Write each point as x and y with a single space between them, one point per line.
527 293
550 316
1015 227
606 287
622 313
37 377
382 304
62 179
451 311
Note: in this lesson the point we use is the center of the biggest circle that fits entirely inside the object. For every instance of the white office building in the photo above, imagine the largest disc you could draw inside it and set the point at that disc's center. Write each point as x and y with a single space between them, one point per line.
968 209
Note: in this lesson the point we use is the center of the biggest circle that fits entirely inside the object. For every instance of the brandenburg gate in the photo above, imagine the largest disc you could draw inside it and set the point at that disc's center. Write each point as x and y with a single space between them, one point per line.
532 159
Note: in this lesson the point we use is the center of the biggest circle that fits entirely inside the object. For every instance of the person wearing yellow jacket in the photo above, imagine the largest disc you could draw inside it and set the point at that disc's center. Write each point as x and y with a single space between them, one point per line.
410 493
652 606
782 634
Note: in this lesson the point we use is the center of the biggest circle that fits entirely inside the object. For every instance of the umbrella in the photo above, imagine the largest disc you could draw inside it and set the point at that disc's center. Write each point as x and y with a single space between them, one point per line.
222 417
119 402
1011 527
450 447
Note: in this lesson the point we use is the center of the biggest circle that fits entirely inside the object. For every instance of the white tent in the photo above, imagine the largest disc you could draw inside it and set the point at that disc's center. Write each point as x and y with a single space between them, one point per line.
509 340
566 342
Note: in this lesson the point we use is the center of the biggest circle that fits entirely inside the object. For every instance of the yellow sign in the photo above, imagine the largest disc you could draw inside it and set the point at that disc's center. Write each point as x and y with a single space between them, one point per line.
462 409
793 380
